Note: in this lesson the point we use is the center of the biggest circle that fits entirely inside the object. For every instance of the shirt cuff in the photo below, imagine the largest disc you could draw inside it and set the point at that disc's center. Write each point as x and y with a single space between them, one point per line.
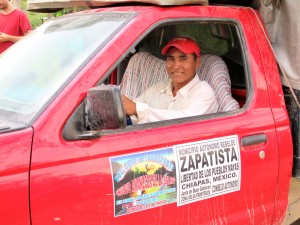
142 112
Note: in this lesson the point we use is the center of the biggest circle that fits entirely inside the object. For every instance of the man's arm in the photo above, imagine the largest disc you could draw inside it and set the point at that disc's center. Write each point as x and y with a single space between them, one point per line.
202 102
5 37
129 106
193 108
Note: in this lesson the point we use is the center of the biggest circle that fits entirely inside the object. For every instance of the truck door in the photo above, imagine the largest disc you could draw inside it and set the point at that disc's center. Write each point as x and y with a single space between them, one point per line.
218 168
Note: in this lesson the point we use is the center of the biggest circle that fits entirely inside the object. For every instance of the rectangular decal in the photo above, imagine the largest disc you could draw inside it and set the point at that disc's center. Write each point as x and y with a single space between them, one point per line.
207 168
143 181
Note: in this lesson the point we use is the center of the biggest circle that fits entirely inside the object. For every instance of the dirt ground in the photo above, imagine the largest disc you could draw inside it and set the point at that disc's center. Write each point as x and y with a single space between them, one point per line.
293 213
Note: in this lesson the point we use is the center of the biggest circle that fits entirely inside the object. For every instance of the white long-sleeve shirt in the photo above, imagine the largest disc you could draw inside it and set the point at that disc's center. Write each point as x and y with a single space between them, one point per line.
158 103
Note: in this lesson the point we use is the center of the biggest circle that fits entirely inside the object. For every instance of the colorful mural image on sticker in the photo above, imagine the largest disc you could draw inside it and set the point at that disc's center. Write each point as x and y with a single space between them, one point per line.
143 181
207 168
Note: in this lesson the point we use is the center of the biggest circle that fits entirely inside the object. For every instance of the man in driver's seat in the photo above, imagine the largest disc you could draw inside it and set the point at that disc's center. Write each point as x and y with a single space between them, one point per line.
182 95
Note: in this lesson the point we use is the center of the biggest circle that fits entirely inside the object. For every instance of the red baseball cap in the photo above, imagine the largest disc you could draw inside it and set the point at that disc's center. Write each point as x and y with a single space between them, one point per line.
185 44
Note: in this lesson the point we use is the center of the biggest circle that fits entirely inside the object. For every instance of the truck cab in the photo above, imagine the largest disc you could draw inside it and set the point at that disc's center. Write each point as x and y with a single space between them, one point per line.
69 157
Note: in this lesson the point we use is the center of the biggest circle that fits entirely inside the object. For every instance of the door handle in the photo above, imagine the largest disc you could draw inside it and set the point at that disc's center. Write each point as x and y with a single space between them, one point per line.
254 140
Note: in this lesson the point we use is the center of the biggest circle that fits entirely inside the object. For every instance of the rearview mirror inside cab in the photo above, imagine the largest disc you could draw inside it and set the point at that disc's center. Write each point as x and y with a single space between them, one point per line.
219 31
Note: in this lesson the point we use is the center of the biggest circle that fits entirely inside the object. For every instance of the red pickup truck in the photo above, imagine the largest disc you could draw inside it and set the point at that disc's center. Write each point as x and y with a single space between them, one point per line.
68 156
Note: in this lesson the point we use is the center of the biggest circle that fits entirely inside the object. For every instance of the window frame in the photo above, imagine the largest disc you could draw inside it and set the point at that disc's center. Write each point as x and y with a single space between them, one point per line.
193 119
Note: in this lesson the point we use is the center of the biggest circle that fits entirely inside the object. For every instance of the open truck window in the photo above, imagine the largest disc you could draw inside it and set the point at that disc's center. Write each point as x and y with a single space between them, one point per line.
143 66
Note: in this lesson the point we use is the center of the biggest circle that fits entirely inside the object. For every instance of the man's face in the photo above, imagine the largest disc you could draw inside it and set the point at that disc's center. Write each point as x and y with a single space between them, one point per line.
181 67
3 4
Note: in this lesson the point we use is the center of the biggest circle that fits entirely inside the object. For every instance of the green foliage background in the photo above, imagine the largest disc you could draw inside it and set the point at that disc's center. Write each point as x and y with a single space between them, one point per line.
37 19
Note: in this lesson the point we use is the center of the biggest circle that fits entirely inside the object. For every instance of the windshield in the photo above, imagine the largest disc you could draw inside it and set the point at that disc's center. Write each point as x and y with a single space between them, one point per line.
34 69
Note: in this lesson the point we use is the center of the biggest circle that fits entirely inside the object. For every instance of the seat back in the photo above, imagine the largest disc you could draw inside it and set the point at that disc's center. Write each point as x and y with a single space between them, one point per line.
144 70
214 70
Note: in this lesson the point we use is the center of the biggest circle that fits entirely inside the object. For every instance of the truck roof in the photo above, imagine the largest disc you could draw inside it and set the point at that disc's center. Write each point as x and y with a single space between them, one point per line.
56 5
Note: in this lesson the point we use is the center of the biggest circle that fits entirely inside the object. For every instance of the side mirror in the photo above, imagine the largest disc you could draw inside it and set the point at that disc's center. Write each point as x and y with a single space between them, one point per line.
101 110
104 108
104 111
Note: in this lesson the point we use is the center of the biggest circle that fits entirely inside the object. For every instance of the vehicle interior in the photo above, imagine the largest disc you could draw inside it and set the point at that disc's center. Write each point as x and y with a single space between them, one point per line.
214 38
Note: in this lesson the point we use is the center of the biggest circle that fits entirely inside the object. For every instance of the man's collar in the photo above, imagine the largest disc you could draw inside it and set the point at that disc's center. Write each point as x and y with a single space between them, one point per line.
182 91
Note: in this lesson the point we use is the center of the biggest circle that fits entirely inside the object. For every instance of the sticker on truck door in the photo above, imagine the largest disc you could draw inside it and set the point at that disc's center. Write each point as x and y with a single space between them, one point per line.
207 168
184 174
143 181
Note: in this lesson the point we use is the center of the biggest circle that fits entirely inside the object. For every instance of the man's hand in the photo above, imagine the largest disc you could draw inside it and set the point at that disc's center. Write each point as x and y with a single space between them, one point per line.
129 106
4 37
